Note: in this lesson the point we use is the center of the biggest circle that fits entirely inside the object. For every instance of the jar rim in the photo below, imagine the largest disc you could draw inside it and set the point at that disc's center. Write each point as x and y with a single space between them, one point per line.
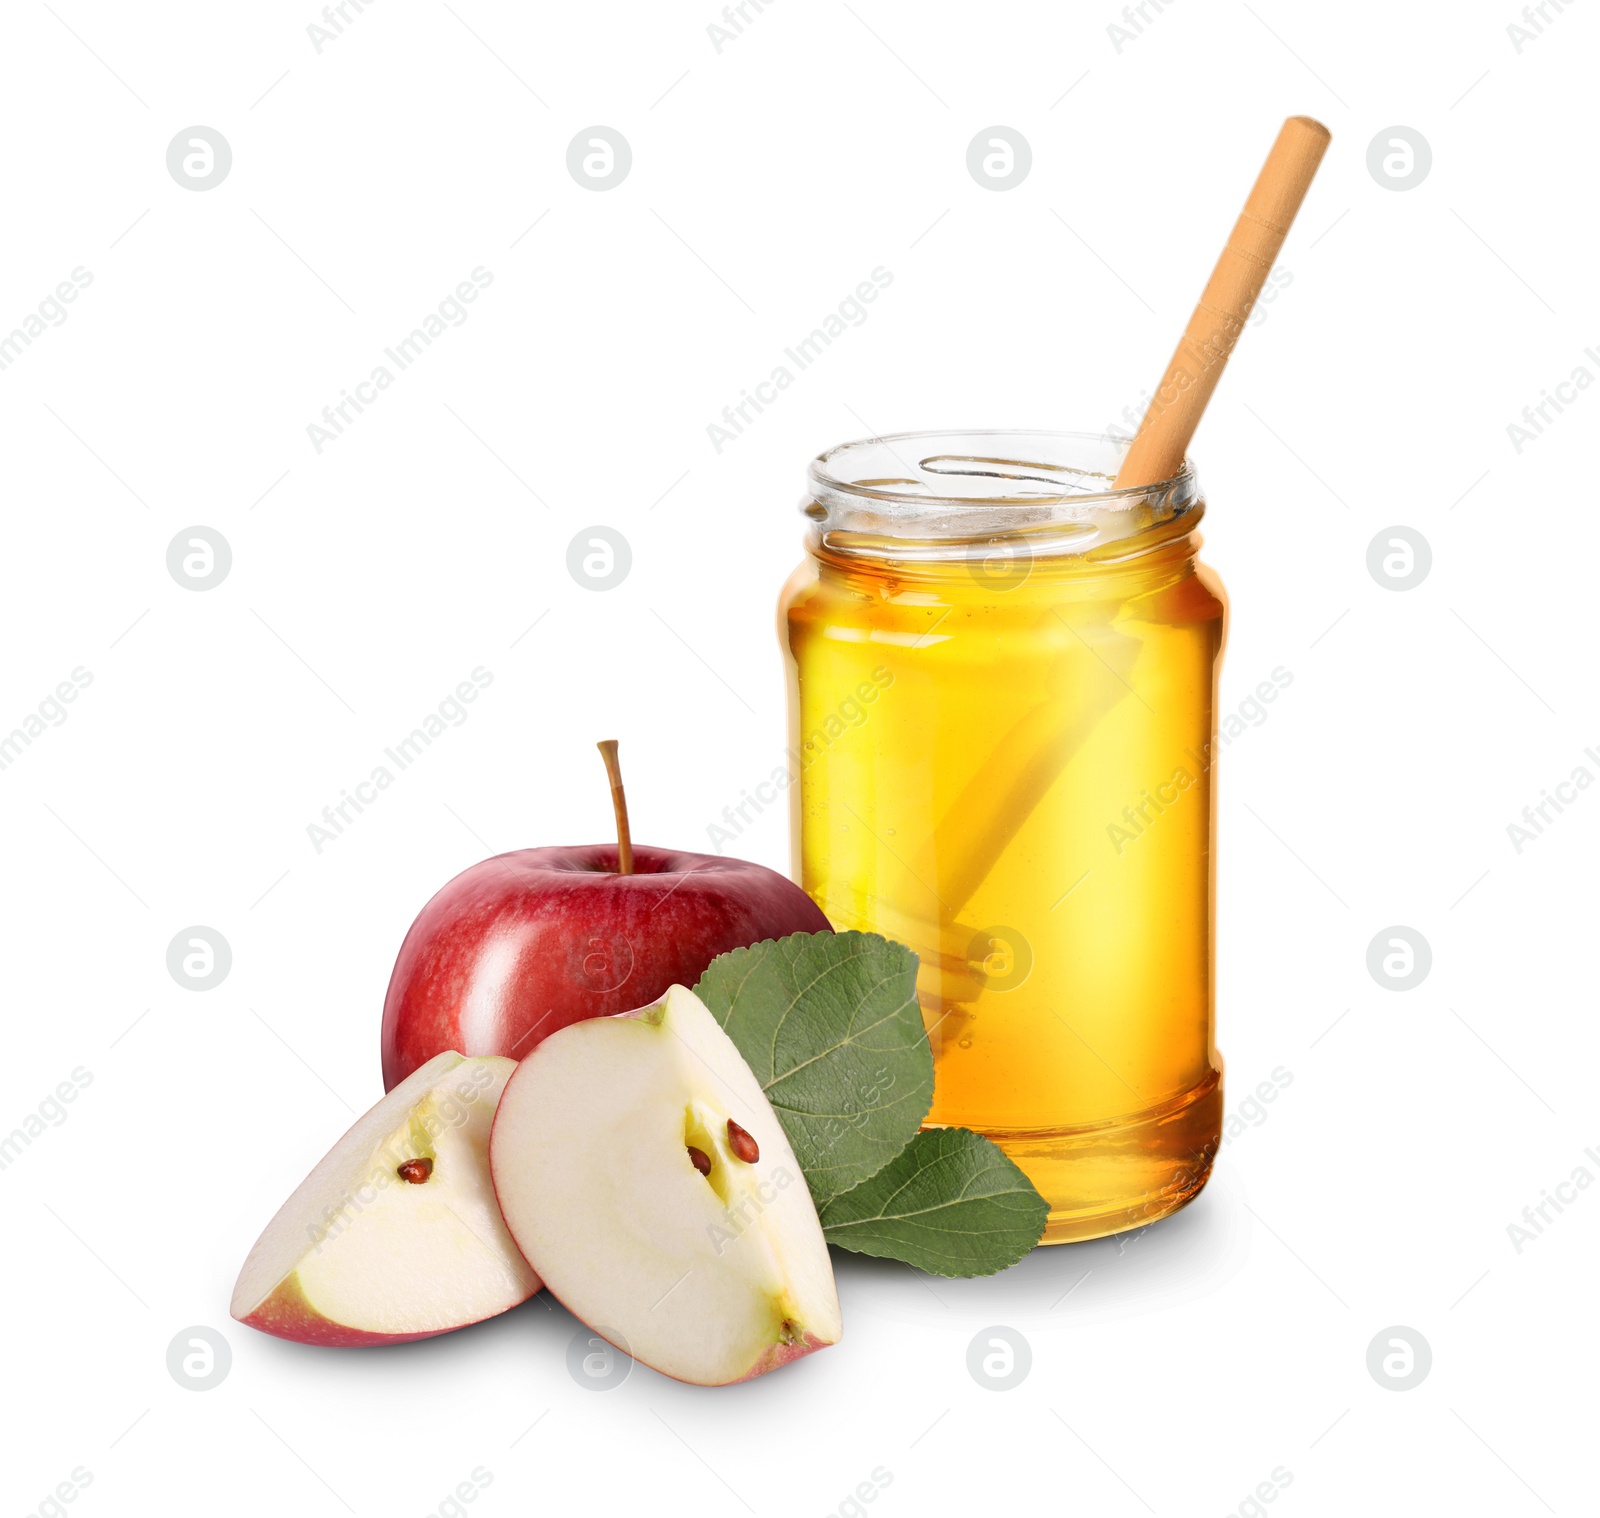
826 480
868 499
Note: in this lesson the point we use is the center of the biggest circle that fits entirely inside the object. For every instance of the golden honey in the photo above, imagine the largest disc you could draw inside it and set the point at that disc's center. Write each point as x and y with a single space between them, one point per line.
1003 680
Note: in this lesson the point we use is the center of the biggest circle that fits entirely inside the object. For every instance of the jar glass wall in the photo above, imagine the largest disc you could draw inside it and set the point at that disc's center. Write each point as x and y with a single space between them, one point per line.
1002 693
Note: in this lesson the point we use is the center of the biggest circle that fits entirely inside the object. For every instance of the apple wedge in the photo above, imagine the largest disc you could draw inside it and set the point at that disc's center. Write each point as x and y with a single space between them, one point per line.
395 1235
644 1175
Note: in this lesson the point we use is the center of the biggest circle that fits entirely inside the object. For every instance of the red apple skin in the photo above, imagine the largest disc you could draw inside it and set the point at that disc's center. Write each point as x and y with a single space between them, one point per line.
287 1315
525 943
775 1357
780 1355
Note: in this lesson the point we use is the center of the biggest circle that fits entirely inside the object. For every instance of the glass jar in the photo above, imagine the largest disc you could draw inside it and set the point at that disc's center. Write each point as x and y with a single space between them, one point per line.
1002 677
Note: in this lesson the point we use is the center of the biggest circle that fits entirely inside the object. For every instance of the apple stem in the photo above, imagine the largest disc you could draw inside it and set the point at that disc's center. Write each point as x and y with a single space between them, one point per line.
619 802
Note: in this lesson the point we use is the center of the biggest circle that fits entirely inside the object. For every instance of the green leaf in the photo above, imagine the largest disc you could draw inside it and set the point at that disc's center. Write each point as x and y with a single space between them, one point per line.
952 1204
829 1022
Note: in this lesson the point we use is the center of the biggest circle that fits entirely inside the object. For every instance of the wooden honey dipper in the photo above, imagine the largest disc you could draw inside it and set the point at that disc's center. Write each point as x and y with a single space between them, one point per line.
1026 760
1180 400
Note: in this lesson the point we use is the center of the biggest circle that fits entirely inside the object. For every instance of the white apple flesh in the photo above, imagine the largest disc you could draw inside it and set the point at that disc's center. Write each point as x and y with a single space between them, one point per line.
395 1235
710 1277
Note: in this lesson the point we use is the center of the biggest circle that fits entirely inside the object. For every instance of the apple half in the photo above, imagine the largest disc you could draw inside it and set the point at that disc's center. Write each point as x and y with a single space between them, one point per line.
646 1178
395 1235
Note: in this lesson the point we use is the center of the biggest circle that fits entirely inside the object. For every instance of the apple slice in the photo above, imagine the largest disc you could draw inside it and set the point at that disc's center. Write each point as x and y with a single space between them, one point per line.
395 1235
647 1180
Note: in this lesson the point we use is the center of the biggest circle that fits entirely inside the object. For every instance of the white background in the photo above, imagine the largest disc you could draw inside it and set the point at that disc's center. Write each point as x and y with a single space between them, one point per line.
768 179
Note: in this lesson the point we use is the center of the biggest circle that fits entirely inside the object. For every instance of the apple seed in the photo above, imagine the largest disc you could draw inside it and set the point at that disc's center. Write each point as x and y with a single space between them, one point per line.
742 1144
415 1171
700 1160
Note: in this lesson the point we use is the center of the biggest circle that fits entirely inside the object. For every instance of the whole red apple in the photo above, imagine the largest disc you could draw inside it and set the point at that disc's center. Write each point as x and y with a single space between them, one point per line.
525 943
